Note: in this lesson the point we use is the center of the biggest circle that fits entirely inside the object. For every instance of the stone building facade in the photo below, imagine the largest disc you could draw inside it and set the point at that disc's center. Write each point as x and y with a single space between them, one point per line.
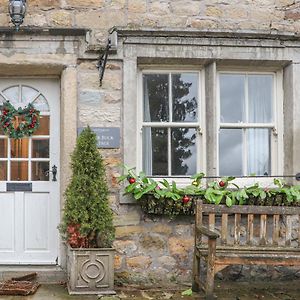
63 39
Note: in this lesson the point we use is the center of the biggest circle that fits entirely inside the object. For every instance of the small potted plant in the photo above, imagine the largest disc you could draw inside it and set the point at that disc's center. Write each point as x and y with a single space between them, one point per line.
87 222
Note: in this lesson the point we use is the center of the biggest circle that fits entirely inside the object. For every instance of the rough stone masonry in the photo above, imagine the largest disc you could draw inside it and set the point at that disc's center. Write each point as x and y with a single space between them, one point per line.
150 251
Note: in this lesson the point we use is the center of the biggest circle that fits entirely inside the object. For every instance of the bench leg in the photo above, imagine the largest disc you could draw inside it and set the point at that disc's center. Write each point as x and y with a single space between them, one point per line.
210 277
196 273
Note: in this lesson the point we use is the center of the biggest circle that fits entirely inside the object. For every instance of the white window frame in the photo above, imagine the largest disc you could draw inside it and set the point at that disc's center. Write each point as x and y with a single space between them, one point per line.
181 180
276 140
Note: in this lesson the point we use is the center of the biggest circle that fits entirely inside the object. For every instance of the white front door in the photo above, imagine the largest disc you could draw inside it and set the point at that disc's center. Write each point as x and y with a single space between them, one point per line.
29 198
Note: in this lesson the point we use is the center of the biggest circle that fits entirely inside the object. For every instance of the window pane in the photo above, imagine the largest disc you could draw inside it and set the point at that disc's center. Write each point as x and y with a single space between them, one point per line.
44 126
260 98
40 148
3 170
185 97
155 151
183 149
258 151
28 94
3 148
231 152
12 94
19 148
2 100
156 97
41 103
232 98
39 170
19 170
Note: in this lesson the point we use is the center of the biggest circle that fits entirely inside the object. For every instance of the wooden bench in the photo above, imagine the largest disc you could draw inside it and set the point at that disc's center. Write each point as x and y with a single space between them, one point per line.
243 235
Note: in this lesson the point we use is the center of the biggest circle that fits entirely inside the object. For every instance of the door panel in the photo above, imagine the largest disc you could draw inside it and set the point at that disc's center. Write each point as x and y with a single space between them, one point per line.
36 229
7 221
29 219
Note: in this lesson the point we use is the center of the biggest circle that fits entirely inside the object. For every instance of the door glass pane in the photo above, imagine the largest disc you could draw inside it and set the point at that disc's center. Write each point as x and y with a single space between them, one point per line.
3 148
19 148
155 151
39 171
183 149
3 170
19 170
184 97
40 148
2 100
41 103
156 97
231 152
44 126
232 98
259 151
28 94
12 94
260 98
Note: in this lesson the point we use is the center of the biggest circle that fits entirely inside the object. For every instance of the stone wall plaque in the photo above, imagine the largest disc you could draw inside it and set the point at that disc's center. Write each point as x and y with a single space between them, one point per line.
18 187
107 137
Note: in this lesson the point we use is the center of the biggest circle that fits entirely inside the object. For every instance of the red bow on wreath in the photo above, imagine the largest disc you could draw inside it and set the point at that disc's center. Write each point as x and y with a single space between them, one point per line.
28 124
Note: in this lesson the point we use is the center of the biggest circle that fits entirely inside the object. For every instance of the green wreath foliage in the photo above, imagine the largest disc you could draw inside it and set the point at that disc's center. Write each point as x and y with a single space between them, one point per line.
27 126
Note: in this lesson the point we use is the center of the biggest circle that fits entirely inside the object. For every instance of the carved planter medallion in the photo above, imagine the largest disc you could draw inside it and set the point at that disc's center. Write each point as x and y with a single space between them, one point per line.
91 271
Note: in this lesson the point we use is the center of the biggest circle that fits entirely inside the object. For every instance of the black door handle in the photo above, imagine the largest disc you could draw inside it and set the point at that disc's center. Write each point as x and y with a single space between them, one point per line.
53 171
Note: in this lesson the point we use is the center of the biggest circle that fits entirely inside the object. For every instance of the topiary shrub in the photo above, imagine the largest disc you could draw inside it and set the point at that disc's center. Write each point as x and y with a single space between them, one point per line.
87 220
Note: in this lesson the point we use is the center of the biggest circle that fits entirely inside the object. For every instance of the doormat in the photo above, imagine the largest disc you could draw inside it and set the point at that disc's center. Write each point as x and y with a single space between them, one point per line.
23 286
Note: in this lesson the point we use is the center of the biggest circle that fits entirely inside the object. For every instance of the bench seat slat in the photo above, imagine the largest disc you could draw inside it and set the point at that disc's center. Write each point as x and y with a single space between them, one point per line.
290 260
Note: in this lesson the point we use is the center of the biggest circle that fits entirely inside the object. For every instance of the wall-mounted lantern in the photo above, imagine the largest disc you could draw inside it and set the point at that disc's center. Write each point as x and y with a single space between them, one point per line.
17 10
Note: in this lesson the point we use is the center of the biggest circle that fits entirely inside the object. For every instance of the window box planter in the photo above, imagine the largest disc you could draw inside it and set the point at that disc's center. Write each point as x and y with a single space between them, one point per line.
166 206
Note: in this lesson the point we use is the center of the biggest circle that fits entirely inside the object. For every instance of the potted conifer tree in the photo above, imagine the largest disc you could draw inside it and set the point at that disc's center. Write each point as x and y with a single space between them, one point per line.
87 222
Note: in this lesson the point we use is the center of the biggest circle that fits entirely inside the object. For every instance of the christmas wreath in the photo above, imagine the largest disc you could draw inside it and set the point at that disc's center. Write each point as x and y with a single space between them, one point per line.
27 124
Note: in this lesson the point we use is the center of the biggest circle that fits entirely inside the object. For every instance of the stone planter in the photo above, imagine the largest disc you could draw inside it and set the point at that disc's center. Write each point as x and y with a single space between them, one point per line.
90 271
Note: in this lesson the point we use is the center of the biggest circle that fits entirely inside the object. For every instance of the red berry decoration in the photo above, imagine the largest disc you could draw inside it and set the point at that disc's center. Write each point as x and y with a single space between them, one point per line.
186 199
221 183
131 180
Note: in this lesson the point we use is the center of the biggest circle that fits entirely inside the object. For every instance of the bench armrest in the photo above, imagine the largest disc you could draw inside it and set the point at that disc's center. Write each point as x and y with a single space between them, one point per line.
209 233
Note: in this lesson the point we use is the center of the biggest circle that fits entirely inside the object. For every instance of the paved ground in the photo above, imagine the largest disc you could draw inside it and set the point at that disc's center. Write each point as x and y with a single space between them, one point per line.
224 291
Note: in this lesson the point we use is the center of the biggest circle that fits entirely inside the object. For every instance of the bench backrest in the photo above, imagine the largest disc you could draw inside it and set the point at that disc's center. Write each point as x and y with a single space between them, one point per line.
247 225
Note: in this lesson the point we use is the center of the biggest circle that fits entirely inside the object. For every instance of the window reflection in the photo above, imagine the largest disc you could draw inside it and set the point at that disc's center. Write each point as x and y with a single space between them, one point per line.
184 97
40 148
3 170
39 171
19 148
44 126
3 148
155 151
231 152
19 170
156 97
183 151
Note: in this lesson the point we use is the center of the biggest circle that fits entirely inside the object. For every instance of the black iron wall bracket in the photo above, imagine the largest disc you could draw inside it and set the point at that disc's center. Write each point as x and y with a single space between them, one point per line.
102 62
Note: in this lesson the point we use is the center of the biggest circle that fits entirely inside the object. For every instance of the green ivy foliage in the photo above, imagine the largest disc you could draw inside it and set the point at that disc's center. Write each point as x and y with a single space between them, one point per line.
164 197
86 197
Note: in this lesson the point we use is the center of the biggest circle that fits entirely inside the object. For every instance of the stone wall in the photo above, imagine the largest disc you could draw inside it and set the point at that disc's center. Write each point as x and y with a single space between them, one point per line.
148 250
